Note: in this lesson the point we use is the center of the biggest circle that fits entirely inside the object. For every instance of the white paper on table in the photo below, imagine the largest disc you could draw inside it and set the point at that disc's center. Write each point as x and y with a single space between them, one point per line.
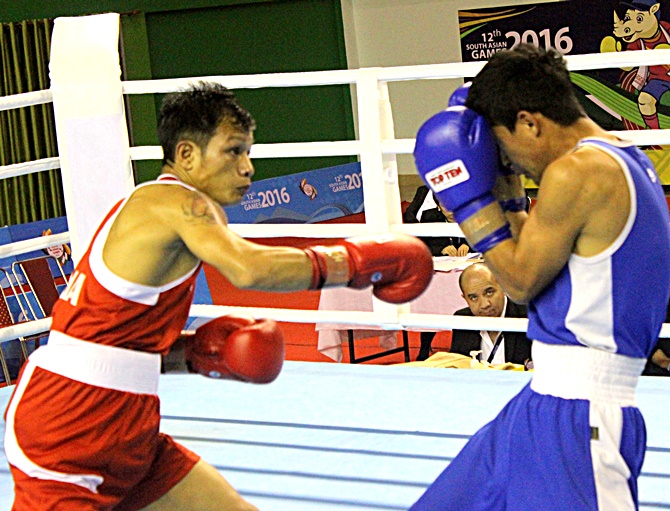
449 263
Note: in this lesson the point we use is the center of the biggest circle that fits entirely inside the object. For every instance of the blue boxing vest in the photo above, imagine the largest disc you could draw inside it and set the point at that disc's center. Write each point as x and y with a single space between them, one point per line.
616 300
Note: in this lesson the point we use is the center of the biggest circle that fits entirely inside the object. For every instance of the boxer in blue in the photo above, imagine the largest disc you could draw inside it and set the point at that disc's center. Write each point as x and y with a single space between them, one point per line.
573 438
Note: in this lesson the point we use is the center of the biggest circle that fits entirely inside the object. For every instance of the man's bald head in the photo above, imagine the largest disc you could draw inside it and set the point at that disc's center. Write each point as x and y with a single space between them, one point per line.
481 291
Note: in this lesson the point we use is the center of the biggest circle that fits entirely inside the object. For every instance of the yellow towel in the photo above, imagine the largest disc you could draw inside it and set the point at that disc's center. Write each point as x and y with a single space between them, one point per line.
456 360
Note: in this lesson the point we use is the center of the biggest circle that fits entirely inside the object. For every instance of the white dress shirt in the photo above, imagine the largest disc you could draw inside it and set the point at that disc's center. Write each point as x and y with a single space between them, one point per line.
487 344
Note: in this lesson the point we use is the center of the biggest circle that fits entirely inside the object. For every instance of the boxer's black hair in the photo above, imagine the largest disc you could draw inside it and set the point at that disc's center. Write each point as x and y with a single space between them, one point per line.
524 78
196 113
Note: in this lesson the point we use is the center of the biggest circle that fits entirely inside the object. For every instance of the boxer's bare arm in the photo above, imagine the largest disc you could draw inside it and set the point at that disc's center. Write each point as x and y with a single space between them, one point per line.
202 226
581 208
164 230
510 187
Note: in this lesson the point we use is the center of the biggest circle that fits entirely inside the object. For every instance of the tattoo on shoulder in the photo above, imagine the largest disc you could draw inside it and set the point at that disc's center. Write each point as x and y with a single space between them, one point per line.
197 208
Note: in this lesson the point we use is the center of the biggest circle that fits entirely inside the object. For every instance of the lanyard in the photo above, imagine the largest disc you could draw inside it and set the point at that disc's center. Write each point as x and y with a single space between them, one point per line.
499 340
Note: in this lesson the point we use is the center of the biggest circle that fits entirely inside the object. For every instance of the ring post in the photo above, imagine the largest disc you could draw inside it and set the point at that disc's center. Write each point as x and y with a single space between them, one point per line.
381 194
90 120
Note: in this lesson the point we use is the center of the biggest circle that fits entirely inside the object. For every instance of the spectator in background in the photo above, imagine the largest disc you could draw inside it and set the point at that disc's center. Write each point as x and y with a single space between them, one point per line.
658 363
424 208
486 298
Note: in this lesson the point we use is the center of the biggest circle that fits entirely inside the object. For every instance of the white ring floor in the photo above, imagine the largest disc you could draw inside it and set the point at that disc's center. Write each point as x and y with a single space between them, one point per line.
355 437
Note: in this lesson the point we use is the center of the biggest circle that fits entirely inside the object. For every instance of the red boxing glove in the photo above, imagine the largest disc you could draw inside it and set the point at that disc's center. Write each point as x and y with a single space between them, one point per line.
237 348
398 266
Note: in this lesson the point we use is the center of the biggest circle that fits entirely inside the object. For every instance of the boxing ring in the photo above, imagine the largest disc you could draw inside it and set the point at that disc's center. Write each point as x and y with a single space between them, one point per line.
322 436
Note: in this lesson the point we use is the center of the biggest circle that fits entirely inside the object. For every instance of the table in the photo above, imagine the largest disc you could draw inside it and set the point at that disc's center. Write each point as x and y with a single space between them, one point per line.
443 296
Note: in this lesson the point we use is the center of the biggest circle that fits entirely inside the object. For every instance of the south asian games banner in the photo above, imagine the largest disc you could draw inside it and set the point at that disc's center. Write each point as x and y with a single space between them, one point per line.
617 99
303 198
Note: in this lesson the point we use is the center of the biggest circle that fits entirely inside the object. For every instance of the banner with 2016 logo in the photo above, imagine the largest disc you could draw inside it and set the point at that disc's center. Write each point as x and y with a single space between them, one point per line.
304 198
617 99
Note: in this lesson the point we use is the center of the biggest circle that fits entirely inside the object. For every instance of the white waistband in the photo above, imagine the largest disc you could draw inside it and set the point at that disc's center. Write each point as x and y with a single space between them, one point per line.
96 364
577 372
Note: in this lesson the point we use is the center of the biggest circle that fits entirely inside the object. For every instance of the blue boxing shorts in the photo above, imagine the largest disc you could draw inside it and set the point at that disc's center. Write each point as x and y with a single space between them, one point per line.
571 439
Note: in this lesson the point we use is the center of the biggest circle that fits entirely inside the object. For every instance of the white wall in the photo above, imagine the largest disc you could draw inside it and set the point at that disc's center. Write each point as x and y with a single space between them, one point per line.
409 32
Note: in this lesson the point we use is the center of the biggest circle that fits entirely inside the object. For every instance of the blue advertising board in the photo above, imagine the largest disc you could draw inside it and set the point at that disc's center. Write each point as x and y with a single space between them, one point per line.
302 198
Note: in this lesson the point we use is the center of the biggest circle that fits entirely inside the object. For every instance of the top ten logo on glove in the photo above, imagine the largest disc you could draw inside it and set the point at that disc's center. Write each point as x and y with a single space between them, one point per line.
447 175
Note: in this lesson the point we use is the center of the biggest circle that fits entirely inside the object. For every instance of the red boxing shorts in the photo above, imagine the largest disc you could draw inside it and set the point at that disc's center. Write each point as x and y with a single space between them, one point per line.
82 430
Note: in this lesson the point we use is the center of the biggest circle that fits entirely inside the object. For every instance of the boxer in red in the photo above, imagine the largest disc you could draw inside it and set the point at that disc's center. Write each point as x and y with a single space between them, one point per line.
83 424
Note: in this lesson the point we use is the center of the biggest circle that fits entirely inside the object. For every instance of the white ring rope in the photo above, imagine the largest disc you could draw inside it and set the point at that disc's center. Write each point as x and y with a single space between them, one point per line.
638 137
340 230
388 74
22 247
387 146
575 63
430 322
26 99
20 169
259 81
284 150
405 322
24 329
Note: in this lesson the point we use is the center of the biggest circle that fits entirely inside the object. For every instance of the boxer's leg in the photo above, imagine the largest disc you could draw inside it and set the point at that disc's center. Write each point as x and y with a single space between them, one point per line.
467 484
203 489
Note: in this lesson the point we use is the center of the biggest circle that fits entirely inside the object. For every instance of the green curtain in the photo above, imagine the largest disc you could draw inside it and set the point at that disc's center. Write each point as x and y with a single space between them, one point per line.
28 133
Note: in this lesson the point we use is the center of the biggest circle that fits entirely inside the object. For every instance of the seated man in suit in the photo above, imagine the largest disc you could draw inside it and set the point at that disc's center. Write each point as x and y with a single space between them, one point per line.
658 363
485 297
425 209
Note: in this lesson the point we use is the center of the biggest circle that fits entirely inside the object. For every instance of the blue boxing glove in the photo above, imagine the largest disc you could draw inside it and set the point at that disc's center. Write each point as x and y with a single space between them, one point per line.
457 157
459 96
449 147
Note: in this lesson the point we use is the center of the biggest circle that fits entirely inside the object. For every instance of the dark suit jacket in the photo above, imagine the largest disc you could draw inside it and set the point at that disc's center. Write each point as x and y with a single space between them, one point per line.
652 369
437 244
517 345
428 216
